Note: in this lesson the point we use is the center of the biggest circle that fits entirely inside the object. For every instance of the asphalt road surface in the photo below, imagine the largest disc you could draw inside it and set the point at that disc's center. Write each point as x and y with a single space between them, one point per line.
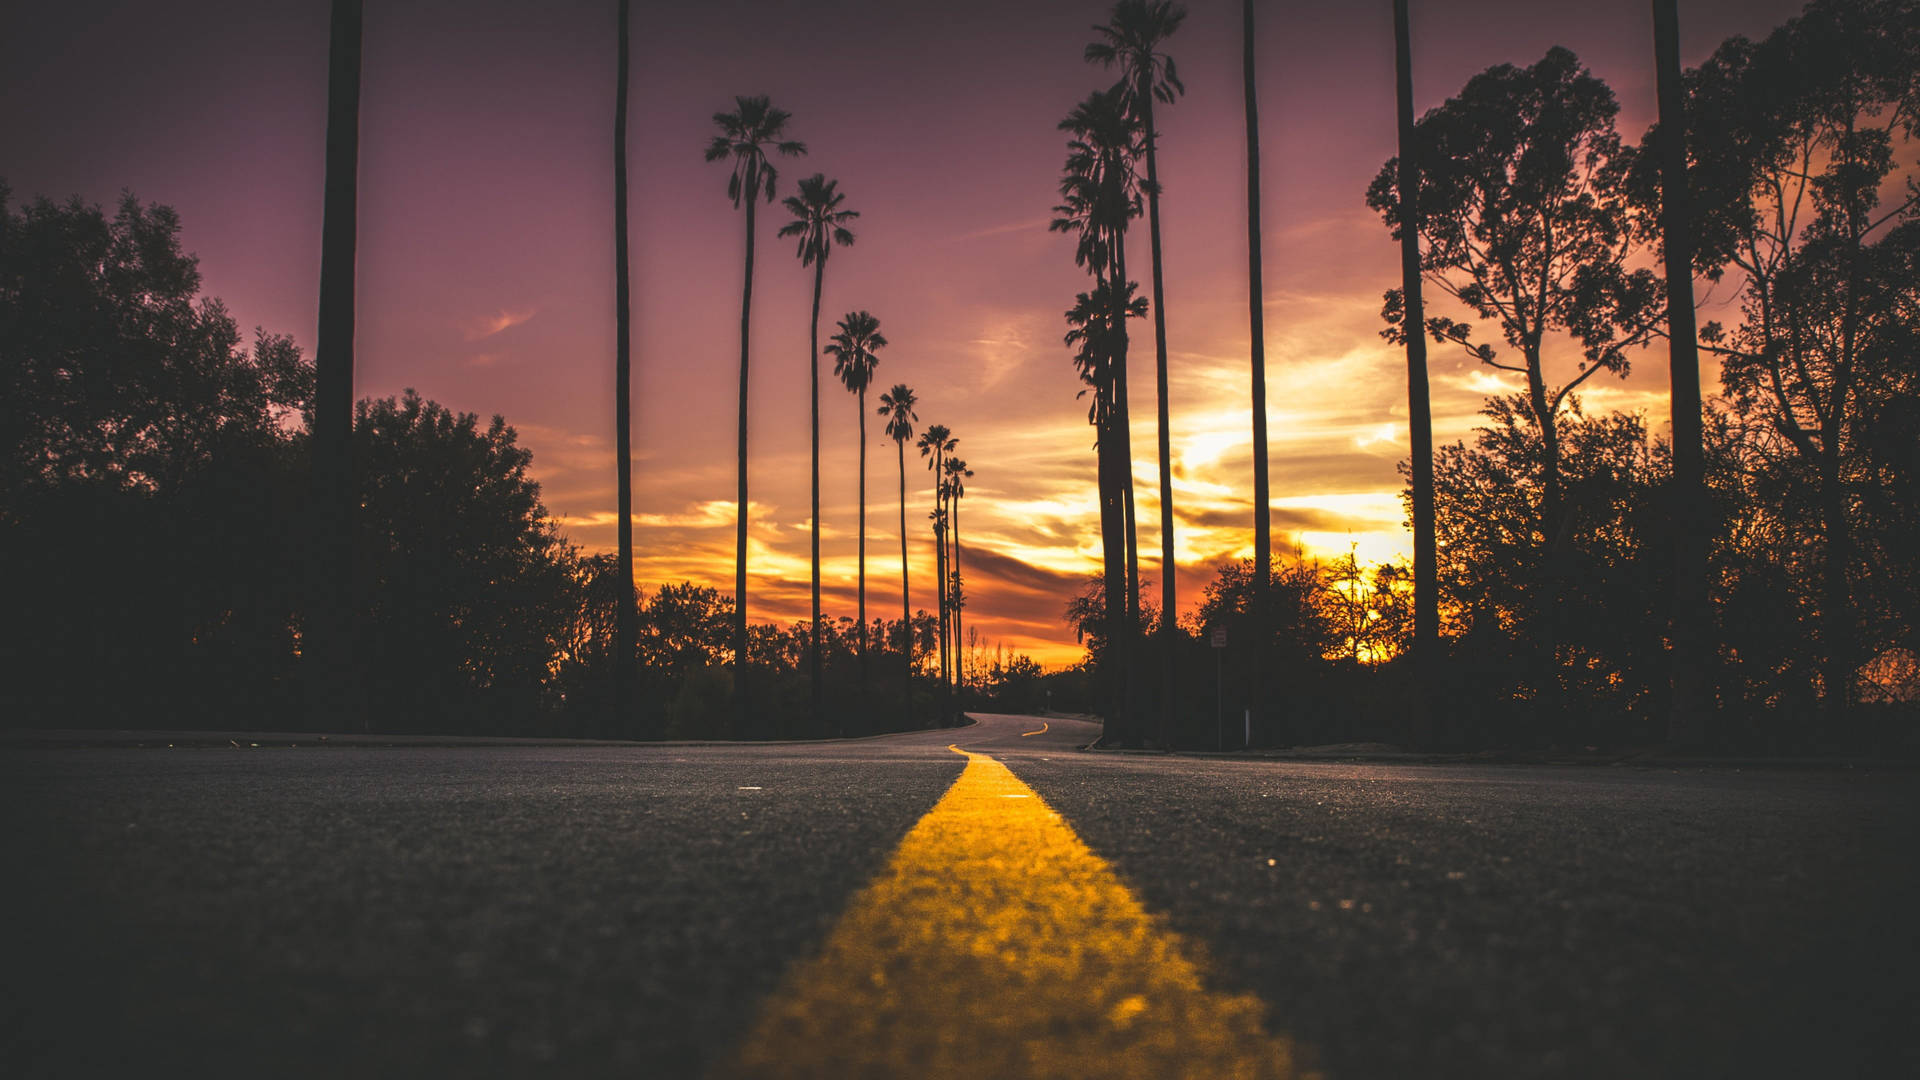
645 911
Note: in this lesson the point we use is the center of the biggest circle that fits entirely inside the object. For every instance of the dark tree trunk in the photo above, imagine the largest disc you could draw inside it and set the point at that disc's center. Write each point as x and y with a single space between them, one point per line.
1127 728
1693 651
1426 581
332 681
1555 534
740 665
1257 338
1168 568
1836 607
813 389
940 567
625 622
959 599
1113 577
906 596
863 540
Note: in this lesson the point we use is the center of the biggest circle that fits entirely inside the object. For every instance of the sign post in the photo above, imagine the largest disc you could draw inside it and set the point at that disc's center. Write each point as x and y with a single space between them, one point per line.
1219 687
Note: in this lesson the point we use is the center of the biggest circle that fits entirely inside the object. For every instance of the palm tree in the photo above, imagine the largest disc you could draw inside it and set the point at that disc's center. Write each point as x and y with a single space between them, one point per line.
1132 40
957 473
1100 196
624 622
1257 337
1692 684
853 351
746 134
329 640
897 406
935 444
1426 579
819 223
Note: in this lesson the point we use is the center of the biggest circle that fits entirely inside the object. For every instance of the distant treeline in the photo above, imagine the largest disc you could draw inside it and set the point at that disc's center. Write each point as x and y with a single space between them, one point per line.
154 509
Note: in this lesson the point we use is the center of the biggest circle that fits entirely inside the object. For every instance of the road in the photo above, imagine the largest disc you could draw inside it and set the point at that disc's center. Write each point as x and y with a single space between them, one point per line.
681 910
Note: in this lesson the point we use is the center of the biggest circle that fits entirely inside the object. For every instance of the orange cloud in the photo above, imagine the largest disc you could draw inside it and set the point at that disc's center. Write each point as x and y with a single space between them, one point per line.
505 319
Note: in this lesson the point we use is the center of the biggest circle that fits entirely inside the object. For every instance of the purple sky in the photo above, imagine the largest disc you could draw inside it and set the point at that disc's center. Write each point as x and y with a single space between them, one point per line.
485 261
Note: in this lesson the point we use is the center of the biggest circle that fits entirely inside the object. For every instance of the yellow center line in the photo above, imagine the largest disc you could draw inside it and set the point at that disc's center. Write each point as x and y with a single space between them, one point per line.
1041 731
996 944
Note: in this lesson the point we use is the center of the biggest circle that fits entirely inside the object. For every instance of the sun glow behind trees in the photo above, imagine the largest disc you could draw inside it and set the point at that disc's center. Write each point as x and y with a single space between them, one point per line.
956 259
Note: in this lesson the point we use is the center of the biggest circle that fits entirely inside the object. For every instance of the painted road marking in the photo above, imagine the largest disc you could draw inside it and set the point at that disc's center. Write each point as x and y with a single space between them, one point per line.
996 944
1042 730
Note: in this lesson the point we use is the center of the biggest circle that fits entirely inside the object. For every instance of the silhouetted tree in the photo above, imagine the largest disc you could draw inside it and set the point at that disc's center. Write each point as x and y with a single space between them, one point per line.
935 444
746 135
1257 349
1426 589
154 489
1692 683
1132 40
1522 208
819 223
853 350
1792 140
1609 574
897 406
957 473
625 659
1099 192
328 640
465 594
1097 331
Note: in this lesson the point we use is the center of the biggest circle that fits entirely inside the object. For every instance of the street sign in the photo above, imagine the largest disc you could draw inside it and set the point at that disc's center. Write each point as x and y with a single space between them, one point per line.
1219 637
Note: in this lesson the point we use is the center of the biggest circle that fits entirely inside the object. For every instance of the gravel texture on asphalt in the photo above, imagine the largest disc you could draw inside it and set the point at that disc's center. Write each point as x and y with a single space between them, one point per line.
600 911
1533 922
426 912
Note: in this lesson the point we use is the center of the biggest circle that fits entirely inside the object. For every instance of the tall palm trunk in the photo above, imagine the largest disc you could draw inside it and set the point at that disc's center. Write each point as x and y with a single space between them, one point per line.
1114 577
940 567
862 640
624 623
1426 578
813 388
333 678
906 601
1128 729
1168 606
1257 336
959 598
1692 685
740 665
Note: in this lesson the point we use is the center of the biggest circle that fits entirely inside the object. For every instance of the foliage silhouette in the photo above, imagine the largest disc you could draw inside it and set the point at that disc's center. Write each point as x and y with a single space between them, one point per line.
854 351
1792 139
897 405
1131 41
330 640
747 135
1099 193
1523 210
624 629
819 223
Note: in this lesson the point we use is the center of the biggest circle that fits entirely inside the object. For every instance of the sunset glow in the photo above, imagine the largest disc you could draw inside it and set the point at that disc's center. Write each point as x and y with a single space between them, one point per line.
486 272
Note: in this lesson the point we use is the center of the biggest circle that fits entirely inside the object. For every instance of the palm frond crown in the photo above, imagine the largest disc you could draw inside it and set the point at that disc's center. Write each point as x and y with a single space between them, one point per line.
897 406
853 349
746 135
1131 40
817 218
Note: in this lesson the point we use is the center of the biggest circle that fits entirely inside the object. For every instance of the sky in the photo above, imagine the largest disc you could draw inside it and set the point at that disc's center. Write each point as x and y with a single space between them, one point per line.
485 253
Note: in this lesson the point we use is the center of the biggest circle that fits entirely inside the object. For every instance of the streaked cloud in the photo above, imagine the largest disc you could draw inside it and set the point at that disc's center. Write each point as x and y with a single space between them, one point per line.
504 319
